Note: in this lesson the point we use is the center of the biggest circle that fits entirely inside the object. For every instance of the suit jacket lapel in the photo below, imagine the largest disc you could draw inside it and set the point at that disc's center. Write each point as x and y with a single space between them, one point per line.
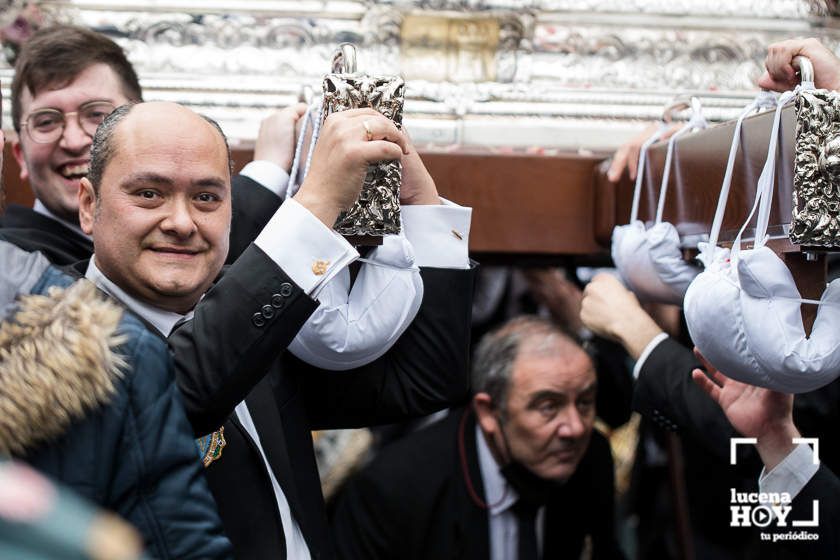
263 409
476 524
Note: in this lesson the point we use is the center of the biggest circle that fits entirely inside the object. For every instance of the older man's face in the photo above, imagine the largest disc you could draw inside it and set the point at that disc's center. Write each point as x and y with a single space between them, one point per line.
550 412
161 221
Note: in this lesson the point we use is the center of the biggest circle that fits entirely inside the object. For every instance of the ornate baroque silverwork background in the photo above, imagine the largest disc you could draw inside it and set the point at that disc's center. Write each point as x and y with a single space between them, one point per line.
565 74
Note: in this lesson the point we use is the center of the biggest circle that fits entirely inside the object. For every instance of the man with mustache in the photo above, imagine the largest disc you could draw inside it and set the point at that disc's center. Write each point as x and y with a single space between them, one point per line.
519 473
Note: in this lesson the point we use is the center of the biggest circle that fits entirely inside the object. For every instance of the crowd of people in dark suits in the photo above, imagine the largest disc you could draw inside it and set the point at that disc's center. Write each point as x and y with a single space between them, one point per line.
150 297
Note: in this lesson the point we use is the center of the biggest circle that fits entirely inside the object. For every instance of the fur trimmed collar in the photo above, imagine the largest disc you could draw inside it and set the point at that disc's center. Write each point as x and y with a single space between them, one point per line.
57 362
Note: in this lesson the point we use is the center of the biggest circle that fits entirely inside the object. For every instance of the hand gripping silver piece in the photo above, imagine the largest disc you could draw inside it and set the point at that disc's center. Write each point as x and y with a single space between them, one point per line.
377 211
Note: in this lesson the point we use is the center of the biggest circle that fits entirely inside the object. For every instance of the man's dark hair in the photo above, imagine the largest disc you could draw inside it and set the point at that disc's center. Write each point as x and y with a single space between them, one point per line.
104 148
492 366
55 55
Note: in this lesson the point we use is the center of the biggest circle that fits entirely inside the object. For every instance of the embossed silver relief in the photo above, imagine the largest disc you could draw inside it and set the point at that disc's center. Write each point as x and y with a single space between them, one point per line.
573 67
377 211
816 180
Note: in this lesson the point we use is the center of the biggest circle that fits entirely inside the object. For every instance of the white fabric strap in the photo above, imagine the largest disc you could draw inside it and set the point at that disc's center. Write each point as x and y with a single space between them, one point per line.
317 120
386 265
640 169
311 120
764 189
768 175
764 100
696 121
293 173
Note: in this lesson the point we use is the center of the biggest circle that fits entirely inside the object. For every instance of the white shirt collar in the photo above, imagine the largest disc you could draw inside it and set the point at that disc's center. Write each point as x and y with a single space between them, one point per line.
44 211
498 494
162 320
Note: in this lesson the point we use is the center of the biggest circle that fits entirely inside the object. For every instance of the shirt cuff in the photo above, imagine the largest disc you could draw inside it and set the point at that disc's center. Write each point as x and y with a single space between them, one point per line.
792 474
308 251
439 233
268 174
646 352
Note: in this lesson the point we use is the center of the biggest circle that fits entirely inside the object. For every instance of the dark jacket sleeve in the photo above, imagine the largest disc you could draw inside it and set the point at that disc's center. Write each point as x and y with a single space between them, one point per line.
615 382
666 394
824 490
603 490
240 327
370 521
426 370
163 487
253 206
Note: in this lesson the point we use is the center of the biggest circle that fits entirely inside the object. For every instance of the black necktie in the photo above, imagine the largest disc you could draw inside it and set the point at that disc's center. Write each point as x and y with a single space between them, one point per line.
526 515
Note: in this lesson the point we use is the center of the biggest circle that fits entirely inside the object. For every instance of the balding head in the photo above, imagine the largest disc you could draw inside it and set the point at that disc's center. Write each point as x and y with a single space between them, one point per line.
158 203
103 147
533 336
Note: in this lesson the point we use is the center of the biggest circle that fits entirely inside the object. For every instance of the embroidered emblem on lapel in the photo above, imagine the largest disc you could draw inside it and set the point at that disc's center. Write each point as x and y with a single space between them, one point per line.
210 446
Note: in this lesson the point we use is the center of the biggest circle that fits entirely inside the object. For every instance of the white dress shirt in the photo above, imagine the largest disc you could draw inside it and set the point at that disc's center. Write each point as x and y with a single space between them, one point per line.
792 474
500 497
654 342
354 326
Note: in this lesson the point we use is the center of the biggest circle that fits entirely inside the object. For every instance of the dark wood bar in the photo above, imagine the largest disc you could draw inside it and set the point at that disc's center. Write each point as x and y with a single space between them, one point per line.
522 204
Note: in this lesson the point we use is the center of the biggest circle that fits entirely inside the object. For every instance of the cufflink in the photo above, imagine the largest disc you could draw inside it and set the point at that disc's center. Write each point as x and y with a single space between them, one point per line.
319 267
457 234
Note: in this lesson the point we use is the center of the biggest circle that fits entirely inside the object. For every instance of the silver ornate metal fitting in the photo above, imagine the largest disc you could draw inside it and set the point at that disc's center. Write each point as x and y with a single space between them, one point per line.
816 180
377 211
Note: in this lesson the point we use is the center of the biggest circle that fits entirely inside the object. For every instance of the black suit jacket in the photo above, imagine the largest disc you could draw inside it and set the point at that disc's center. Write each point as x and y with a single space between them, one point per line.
240 332
412 502
253 206
32 231
824 487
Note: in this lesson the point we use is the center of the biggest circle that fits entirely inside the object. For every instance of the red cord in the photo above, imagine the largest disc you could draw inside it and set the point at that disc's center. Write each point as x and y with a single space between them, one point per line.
466 470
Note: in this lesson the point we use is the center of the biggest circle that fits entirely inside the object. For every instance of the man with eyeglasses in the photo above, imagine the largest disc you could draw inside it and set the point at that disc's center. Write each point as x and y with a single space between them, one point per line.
67 80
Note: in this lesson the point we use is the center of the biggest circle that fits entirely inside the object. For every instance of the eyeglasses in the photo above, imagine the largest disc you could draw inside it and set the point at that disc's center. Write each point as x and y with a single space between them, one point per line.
47 125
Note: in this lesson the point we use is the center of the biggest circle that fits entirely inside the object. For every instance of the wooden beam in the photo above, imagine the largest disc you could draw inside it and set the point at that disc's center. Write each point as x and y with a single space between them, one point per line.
522 204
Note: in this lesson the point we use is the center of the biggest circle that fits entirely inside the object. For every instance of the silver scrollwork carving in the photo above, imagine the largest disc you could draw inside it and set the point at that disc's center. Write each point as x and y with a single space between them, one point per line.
583 73
377 211
816 180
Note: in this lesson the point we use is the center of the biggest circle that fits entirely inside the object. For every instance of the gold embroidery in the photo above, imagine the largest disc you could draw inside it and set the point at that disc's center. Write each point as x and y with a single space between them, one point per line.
210 446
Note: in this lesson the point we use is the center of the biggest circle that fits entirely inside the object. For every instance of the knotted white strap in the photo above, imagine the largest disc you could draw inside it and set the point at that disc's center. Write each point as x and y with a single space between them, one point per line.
764 188
764 100
640 169
695 121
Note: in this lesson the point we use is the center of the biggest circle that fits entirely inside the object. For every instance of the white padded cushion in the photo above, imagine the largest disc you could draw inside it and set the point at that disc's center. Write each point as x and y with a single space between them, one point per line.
650 262
746 321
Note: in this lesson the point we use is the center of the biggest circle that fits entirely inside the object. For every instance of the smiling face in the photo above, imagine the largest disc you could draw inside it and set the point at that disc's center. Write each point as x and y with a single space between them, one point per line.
161 219
55 169
549 414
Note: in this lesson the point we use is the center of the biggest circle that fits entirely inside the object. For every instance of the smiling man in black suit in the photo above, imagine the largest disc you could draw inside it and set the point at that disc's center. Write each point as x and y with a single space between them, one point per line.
157 203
